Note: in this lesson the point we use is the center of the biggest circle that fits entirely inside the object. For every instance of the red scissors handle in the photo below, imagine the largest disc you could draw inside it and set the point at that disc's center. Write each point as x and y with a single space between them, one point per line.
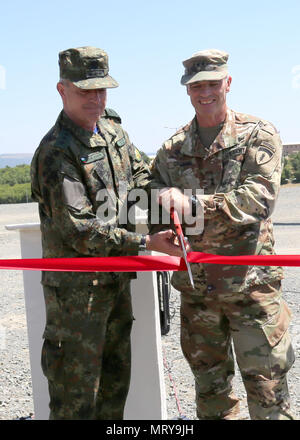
178 229
175 218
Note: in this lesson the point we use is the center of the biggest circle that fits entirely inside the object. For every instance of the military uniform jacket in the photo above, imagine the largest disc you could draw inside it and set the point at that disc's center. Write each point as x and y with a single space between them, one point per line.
240 178
75 176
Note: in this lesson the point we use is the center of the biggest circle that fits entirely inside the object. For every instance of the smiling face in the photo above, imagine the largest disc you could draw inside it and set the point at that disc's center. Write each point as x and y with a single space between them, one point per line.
209 100
84 107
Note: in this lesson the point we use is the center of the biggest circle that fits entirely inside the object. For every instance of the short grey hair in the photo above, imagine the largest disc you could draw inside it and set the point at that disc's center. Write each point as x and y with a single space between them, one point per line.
64 81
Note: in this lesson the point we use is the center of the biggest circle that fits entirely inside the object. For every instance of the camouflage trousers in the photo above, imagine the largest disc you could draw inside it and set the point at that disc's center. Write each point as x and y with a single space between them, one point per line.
255 324
86 353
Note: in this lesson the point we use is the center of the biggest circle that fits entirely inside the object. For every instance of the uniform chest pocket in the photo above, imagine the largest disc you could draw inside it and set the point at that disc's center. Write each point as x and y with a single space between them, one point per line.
232 164
184 174
190 179
95 179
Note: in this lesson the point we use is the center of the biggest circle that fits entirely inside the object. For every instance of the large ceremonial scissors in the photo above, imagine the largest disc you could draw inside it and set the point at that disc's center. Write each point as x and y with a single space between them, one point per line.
178 229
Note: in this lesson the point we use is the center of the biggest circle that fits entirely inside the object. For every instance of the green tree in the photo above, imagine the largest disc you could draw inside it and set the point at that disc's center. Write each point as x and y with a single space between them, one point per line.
19 193
297 175
287 172
12 176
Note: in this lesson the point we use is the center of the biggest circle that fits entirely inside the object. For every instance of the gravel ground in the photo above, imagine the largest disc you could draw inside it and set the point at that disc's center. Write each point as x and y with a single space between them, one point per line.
16 399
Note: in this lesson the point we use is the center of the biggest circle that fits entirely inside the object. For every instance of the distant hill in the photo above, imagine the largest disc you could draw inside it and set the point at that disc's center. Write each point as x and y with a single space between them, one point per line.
11 160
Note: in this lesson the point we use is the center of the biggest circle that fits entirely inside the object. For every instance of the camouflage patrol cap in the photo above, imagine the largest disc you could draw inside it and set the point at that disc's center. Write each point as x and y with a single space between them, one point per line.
206 65
86 67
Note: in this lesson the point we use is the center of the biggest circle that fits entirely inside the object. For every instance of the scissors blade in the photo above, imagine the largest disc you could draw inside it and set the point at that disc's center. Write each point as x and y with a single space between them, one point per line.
186 261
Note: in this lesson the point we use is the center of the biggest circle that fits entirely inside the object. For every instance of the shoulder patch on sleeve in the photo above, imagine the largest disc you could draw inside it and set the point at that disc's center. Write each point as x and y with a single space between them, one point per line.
138 156
110 113
265 153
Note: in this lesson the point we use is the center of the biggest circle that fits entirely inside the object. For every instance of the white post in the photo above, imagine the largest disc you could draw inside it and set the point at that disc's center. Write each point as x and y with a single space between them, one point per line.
30 237
146 399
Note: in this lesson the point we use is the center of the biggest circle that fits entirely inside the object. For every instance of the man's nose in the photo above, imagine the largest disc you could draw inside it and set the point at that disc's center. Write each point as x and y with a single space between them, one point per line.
95 95
205 91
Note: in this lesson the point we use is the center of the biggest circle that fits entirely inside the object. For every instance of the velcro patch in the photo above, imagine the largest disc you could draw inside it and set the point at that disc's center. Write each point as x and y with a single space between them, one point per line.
121 142
73 193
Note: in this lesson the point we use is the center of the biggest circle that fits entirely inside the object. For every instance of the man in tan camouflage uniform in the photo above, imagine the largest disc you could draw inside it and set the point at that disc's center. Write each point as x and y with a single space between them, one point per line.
236 160
85 166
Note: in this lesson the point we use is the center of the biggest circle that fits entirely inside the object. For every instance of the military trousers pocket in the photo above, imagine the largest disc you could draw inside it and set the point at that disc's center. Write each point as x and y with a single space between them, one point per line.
264 351
53 313
276 327
52 360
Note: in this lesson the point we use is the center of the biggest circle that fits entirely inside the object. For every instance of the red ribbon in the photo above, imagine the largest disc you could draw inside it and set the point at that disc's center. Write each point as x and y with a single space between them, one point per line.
144 263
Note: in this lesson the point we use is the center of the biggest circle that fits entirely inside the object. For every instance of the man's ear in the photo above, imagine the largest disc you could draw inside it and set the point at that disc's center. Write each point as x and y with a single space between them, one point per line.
229 80
61 89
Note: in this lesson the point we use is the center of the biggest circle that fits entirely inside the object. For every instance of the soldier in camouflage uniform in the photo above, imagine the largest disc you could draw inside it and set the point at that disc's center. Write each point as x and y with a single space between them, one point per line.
236 160
86 352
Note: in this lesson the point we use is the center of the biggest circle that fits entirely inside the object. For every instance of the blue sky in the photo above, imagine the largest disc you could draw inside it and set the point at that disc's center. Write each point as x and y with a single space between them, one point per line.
146 43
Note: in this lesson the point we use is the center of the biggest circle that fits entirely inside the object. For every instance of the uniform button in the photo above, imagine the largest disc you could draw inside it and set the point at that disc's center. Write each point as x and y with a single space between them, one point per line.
210 287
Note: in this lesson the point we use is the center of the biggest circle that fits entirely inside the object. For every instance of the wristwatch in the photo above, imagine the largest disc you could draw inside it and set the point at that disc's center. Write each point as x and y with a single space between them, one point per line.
142 245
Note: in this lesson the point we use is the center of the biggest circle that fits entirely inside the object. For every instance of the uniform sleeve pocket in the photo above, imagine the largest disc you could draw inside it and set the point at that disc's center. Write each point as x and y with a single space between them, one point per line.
73 193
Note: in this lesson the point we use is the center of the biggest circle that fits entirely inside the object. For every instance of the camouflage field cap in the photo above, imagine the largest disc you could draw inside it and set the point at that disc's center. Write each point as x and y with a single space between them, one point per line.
206 65
86 67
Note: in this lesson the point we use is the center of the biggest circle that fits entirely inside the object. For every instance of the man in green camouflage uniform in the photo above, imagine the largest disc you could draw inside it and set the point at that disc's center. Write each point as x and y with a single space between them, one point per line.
84 168
236 160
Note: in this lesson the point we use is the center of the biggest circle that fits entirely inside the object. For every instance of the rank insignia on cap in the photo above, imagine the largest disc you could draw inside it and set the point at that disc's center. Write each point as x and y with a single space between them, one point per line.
96 73
264 153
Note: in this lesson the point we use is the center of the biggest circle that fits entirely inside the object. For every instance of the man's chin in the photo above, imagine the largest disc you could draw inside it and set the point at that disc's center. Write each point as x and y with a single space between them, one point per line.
95 114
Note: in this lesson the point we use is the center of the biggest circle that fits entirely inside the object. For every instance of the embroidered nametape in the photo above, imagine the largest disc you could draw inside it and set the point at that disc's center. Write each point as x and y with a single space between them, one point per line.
121 142
92 157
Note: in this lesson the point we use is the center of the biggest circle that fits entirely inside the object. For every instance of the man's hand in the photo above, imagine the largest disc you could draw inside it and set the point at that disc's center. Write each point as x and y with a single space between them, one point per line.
173 197
163 241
